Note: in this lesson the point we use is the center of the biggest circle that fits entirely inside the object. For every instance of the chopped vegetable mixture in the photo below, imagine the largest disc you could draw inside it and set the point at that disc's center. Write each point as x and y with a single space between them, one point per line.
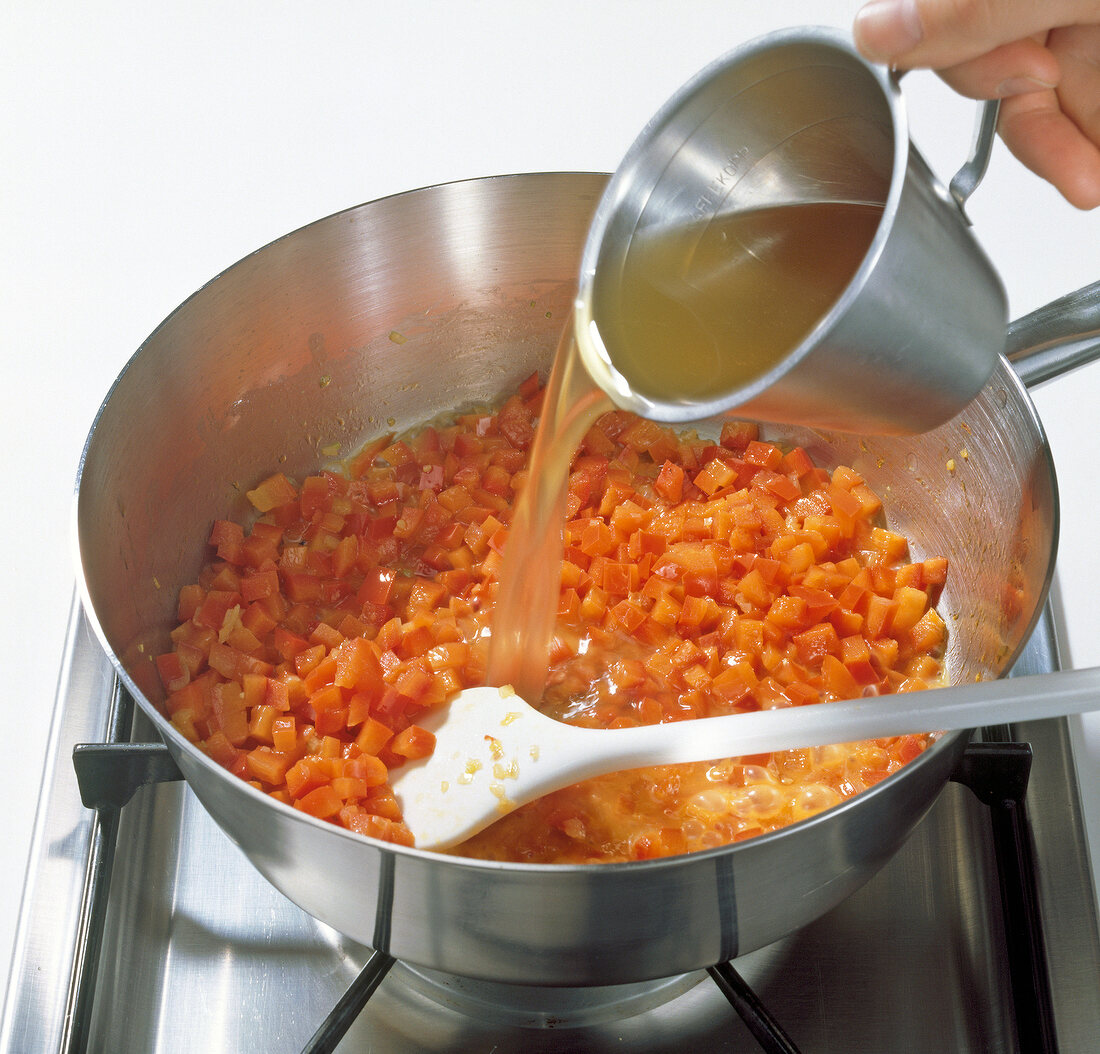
700 577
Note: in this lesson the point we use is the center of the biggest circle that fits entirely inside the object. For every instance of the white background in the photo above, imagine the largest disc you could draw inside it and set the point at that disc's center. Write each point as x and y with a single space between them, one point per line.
146 147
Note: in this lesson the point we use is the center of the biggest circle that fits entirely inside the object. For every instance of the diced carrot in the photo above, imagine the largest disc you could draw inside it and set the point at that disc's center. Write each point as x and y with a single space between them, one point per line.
322 802
268 765
699 577
413 742
274 491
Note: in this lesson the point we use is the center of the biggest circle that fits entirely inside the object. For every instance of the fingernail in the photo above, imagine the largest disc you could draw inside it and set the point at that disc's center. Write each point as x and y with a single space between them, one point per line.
887 29
1021 86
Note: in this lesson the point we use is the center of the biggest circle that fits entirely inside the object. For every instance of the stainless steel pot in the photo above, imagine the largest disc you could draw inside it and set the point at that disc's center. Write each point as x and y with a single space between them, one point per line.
793 120
291 353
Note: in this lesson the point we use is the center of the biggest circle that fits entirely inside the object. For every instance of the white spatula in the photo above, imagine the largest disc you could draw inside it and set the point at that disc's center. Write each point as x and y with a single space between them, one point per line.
494 752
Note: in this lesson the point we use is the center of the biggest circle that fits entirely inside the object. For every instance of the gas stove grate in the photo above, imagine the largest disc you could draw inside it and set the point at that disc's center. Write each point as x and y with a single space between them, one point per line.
995 770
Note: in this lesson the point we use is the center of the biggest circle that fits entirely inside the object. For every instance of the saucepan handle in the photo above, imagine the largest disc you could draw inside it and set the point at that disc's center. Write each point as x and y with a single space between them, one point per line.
1056 338
966 180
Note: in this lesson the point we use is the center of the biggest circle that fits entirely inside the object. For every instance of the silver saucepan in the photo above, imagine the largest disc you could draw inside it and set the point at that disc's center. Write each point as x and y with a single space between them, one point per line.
290 354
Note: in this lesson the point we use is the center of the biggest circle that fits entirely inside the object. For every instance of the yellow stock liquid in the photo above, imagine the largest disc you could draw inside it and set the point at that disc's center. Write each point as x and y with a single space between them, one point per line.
530 577
704 309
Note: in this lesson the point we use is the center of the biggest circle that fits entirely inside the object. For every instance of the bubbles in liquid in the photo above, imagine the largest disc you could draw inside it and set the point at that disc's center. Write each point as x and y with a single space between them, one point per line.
746 775
865 761
761 802
834 756
693 829
793 764
812 799
712 802
721 771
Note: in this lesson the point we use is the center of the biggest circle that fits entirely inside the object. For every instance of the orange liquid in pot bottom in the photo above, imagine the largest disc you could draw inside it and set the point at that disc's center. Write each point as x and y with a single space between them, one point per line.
693 577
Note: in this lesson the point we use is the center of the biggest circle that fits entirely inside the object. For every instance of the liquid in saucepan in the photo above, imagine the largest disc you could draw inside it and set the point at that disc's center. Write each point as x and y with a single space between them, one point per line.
704 309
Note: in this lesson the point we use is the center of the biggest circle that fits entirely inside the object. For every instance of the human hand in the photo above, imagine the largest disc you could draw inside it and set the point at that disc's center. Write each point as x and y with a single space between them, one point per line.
1041 59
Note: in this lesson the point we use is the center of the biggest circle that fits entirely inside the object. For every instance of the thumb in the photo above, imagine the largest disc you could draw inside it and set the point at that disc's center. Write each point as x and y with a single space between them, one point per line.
939 33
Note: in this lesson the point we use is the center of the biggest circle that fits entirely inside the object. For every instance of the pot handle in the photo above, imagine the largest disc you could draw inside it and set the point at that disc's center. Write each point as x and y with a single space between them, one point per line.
966 180
1056 338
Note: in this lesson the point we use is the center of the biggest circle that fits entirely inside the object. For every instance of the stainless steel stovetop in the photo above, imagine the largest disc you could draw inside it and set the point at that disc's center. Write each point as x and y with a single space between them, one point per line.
201 954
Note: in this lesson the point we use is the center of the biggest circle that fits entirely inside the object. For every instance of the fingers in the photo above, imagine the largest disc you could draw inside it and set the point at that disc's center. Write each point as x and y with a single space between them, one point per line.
1011 69
1041 57
1044 139
1057 134
1078 52
942 33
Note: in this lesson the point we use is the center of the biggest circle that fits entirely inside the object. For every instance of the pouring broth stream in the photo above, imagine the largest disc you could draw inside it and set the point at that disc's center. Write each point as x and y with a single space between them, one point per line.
530 579
699 310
